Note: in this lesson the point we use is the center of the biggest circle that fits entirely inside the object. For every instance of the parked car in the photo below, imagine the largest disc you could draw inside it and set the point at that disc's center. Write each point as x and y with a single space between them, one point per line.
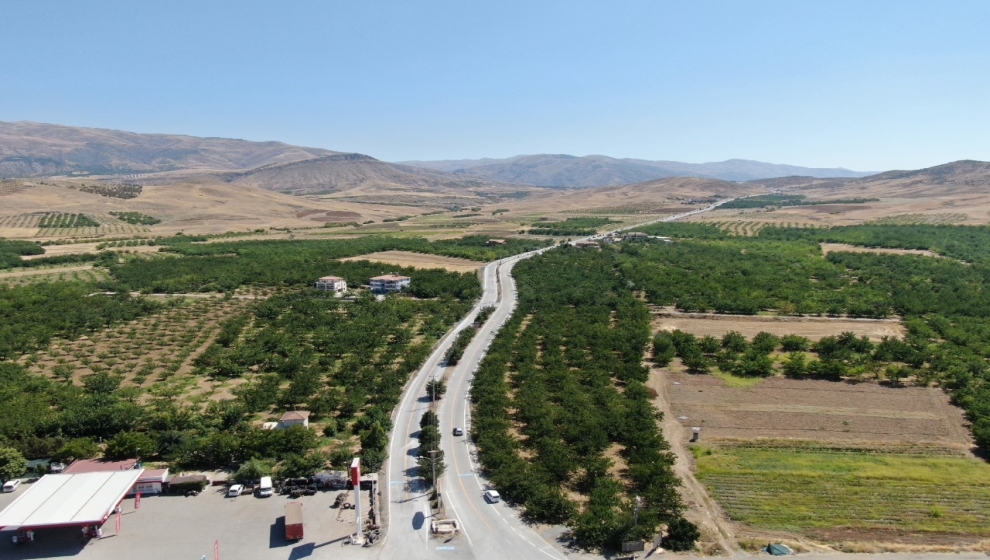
265 488
492 496
458 432
235 490
11 485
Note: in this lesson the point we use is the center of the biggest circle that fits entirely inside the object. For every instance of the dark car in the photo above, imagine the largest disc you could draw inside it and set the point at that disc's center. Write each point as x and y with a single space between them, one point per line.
458 432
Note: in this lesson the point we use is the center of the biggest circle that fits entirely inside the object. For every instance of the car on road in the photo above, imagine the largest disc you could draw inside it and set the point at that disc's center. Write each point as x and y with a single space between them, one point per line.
492 496
235 490
458 432
11 485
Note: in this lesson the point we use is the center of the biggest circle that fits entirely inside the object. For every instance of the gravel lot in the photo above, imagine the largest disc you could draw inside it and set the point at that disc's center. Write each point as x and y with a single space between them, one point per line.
174 528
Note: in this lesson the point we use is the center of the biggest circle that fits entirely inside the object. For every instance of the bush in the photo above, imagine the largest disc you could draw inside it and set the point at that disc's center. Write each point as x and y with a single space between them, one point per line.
252 470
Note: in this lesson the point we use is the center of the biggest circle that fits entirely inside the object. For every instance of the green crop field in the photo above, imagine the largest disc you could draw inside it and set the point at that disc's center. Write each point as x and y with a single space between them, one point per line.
798 489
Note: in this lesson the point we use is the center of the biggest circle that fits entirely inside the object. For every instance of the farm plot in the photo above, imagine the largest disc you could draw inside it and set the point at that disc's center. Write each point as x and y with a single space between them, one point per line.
82 272
834 247
701 324
835 493
152 352
817 410
419 260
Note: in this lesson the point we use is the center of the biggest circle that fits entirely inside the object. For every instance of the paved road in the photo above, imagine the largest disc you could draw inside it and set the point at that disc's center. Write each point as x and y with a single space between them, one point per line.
489 531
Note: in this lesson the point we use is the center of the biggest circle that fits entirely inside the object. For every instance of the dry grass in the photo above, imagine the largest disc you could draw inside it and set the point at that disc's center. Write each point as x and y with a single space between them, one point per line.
834 247
419 260
818 410
814 328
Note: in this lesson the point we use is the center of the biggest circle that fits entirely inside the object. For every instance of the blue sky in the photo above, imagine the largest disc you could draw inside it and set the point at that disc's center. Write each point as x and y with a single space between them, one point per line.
866 85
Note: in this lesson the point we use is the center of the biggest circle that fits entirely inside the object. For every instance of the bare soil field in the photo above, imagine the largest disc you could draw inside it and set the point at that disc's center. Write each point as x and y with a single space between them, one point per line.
835 247
419 260
818 410
701 324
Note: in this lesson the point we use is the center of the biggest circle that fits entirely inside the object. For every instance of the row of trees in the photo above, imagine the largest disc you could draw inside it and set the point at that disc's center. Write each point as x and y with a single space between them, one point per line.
945 304
566 370
585 225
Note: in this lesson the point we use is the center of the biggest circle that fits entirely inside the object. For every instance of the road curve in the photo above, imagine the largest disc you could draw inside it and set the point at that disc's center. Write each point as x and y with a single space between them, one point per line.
489 531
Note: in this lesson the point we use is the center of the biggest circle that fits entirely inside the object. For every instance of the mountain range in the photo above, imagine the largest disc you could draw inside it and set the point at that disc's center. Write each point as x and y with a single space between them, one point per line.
34 149
558 170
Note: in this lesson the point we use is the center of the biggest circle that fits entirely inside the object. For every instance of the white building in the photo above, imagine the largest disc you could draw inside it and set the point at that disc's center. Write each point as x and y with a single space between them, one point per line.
294 418
389 283
332 284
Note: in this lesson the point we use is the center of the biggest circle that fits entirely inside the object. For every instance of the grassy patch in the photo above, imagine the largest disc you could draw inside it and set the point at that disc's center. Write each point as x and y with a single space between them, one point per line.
797 489
736 380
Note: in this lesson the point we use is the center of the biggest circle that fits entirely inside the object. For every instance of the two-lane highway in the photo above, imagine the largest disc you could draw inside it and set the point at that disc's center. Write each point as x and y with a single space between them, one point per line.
488 531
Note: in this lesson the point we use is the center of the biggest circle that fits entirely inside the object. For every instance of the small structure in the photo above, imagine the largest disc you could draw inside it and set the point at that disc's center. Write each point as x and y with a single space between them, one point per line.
293 418
332 284
151 482
99 465
496 242
69 500
334 480
635 235
444 527
390 282
587 244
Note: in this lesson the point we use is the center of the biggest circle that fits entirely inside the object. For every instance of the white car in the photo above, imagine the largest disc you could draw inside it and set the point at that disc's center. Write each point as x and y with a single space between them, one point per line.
235 490
492 497
11 485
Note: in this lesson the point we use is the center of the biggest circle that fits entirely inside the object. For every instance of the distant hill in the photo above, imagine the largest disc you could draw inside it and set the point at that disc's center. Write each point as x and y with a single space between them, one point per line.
592 171
344 172
29 148
958 177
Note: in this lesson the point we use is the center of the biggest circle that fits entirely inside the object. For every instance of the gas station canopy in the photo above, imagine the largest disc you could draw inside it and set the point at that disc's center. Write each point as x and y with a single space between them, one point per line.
65 500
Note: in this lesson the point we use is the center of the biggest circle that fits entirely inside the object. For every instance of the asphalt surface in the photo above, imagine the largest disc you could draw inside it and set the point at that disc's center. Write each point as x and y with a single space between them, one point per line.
488 531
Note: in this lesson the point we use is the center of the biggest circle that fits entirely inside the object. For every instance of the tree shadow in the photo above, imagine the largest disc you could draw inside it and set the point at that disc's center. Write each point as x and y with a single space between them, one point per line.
418 520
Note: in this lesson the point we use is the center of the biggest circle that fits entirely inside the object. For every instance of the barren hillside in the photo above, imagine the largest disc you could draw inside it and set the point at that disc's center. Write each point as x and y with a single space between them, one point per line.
29 148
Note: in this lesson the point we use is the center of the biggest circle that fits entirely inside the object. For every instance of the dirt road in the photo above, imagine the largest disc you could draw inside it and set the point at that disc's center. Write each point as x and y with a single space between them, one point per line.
702 509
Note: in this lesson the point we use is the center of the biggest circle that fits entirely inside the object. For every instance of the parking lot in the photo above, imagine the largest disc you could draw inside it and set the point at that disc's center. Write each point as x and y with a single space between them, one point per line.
176 527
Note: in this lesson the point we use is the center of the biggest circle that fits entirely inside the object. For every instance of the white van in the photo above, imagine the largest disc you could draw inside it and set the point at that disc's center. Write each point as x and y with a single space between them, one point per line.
11 485
492 496
265 488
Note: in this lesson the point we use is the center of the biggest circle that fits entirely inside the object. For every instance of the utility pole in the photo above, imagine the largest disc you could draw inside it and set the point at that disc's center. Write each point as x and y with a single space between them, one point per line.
433 461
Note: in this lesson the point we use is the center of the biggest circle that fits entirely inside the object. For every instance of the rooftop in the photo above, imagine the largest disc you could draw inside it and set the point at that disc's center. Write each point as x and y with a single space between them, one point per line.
69 499
330 278
295 415
99 465
391 276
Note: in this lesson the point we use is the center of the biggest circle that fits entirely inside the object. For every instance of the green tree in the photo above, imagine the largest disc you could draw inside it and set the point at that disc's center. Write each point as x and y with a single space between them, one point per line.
296 466
130 445
681 535
435 388
78 448
425 465
796 365
12 464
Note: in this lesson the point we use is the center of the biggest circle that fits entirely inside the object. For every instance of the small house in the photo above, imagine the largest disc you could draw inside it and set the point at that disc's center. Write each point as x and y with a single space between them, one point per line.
496 242
294 418
636 235
587 244
332 284
151 481
389 283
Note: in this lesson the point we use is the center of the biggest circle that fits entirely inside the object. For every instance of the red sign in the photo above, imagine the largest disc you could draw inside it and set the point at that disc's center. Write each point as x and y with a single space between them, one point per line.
137 500
118 522
356 471
216 550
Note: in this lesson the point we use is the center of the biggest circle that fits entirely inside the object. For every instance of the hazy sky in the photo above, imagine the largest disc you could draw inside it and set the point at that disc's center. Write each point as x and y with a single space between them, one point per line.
867 85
